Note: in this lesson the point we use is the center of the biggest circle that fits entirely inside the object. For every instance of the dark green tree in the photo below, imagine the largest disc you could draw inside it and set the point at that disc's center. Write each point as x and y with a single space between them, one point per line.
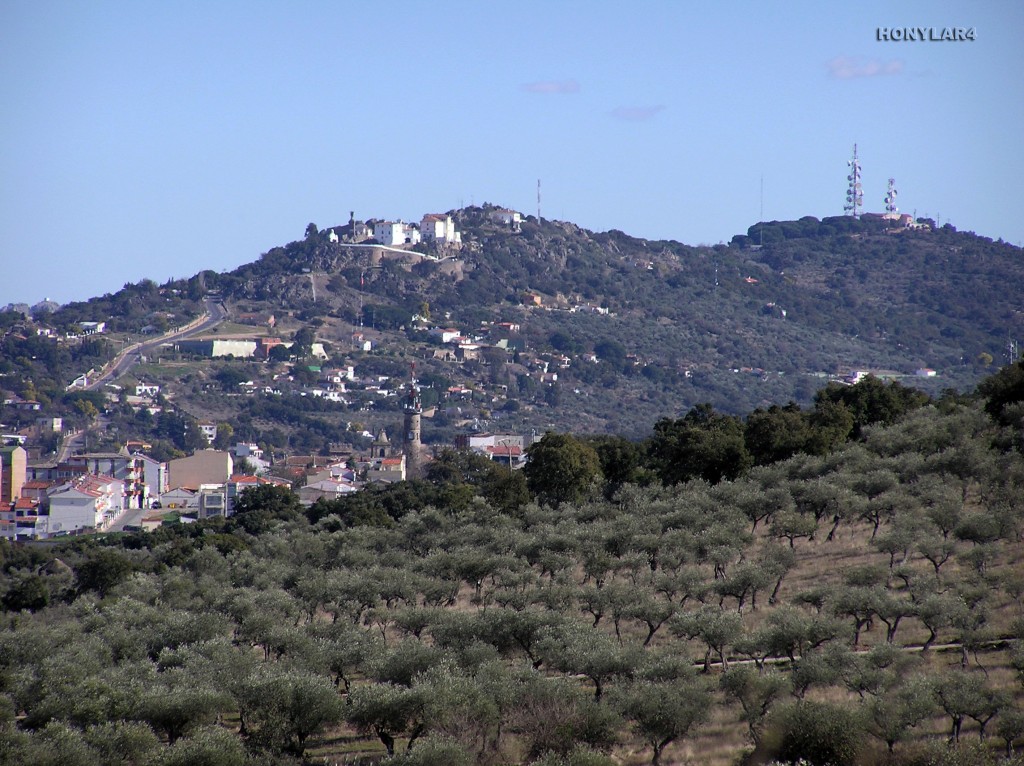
101 571
561 469
703 444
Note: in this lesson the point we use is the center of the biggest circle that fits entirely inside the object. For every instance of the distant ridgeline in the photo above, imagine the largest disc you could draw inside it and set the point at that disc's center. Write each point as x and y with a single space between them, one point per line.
660 324
809 227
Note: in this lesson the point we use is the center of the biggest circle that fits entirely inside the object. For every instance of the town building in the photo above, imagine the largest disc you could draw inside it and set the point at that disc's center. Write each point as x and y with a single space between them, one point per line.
395 233
506 217
23 520
325 489
13 473
204 467
85 503
218 348
440 228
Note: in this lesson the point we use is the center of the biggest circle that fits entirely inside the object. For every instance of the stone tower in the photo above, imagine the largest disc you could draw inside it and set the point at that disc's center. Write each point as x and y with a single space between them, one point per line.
412 447
381 446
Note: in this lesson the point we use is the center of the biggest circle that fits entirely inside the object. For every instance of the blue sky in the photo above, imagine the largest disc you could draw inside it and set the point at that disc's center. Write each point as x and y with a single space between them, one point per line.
155 139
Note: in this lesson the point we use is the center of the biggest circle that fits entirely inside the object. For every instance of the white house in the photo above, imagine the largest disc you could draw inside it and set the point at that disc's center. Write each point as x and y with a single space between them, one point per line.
395 233
445 334
439 227
145 389
328 489
506 217
143 477
86 502
248 450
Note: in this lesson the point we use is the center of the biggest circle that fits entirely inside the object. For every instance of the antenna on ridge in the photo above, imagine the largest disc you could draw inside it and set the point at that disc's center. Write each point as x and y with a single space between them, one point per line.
760 241
854 192
538 200
891 211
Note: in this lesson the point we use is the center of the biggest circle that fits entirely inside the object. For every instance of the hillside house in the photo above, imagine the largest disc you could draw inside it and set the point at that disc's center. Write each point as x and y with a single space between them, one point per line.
49 425
440 228
446 334
395 233
506 217
531 299
467 352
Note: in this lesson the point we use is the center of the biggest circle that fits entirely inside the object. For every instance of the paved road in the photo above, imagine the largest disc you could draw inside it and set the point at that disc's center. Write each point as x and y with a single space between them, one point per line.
128 517
215 314
119 365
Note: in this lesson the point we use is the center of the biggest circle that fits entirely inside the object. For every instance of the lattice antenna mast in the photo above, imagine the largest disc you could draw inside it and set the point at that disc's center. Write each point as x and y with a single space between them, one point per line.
538 200
854 192
890 199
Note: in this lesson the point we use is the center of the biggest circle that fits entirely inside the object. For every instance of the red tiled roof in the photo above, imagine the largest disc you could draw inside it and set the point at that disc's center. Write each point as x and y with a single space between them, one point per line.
501 451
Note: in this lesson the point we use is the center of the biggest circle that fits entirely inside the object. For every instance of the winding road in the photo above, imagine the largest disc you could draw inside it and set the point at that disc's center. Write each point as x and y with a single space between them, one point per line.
215 314
120 364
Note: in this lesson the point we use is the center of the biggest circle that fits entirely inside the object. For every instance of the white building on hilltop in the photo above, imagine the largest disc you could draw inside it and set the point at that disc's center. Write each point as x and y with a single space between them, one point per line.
395 233
439 227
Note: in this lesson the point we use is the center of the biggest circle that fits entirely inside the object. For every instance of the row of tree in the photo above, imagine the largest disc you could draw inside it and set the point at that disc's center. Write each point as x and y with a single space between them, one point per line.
862 606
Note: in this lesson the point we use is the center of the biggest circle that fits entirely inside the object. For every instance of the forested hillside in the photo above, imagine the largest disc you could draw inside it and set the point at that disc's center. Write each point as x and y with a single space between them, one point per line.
633 330
861 605
741 326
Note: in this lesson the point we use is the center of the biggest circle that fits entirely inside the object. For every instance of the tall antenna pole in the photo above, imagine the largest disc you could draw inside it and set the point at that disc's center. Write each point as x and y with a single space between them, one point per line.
890 200
538 200
854 192
760 232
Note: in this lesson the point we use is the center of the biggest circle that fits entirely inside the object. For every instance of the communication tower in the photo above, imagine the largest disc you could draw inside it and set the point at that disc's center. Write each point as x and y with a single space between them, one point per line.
890 200
854 192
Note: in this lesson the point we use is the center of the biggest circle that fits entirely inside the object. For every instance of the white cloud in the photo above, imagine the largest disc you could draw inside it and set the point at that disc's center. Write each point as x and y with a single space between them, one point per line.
560 87
851 67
